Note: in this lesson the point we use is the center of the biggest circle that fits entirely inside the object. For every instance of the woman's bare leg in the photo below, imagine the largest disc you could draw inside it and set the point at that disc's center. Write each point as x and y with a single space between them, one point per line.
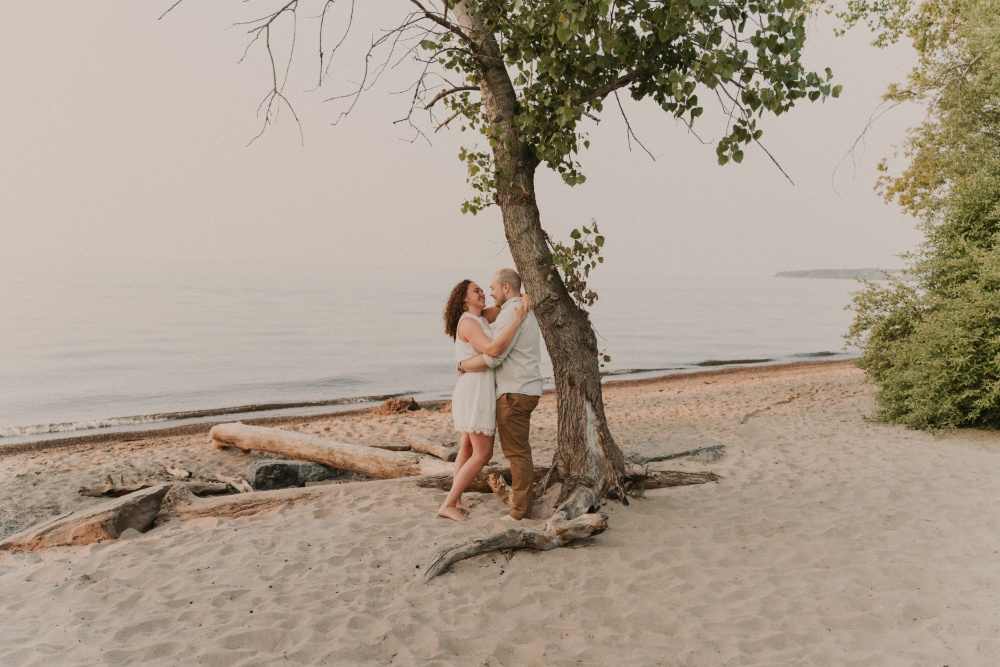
464 452
482 452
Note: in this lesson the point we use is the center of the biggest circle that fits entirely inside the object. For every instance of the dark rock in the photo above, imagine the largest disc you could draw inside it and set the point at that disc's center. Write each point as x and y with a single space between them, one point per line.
264 475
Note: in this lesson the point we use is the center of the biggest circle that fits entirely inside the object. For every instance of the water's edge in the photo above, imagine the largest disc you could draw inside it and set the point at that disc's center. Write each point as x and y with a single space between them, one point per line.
194 426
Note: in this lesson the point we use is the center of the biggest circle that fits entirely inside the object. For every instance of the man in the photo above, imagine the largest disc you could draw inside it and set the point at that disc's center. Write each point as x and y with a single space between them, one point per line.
519 386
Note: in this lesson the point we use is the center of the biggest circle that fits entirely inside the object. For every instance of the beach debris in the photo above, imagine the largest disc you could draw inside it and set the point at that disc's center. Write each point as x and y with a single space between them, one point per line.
112 488
394 405
501 489
106 522
245 504
652 451
557 533
179 473
368 461
239 484
440 450
265 475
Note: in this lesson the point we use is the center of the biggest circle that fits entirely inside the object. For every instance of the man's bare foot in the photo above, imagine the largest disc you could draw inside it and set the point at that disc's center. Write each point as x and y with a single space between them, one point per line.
508 517
500 488
452 513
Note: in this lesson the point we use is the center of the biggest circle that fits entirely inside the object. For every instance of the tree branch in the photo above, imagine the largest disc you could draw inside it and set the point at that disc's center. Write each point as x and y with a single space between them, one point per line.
629 133
443 22
603 91
445 93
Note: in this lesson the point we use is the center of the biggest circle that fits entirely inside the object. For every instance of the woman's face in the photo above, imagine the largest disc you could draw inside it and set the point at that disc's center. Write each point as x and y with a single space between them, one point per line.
475 297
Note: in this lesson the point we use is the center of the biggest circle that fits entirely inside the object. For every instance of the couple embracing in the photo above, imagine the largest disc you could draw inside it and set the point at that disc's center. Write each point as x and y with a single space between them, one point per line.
498 350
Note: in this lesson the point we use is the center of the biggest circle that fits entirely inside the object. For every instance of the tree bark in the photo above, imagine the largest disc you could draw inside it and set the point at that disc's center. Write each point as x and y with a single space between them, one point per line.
587 460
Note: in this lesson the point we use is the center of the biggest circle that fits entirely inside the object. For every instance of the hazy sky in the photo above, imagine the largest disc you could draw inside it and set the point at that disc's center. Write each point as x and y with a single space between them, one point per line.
124 139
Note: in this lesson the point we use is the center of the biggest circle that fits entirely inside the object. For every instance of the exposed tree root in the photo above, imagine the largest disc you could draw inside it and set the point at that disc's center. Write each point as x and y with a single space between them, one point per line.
556 534
659 479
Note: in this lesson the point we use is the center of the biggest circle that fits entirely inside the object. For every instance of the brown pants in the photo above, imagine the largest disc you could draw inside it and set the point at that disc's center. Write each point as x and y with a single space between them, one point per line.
513 424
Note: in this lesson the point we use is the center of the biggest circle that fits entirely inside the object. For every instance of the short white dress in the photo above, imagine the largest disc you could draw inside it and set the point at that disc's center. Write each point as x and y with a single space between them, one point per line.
474 401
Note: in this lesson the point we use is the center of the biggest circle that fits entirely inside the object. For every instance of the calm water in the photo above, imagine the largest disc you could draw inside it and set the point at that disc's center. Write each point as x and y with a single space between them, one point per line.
110 346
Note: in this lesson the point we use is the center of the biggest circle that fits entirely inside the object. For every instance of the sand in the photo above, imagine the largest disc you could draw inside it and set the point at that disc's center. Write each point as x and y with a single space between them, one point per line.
829 541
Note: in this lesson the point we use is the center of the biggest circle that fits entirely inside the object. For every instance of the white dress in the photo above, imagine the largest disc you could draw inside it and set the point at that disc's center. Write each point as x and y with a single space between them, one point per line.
474 401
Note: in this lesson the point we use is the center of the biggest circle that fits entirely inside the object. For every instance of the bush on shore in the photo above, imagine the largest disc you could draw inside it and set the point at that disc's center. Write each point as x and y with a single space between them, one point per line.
931 340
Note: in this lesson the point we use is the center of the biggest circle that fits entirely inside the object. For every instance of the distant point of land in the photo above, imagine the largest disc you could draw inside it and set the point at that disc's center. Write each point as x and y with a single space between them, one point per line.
841 274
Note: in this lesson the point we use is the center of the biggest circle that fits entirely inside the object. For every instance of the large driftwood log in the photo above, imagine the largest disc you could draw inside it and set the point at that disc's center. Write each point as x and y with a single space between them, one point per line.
369 461
136 510
556 534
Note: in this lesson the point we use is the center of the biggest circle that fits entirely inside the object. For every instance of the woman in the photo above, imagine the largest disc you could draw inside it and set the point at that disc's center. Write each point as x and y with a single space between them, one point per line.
473 403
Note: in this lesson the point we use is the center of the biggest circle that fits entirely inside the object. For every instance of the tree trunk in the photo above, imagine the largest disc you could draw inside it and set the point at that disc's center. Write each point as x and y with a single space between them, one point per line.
587 460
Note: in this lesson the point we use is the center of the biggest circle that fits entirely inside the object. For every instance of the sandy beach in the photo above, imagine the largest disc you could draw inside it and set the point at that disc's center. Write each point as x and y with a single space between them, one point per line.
830 540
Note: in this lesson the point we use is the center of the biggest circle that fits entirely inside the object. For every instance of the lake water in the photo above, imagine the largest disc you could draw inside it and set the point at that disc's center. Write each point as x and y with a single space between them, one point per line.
109 347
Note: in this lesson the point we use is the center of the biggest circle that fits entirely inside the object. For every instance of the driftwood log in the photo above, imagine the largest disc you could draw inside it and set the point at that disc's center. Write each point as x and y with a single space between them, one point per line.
112 489
552 537
136 510
369 461
443 452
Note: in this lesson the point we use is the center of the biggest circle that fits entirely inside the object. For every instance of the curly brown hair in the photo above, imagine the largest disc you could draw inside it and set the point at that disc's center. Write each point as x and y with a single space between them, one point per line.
455 307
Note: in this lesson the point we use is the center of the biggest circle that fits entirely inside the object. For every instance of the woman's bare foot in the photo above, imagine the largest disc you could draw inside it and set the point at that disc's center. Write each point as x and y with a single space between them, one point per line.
452 513
462 506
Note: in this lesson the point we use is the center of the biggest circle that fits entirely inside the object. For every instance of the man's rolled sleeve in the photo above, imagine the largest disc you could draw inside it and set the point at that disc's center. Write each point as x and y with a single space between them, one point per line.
492 362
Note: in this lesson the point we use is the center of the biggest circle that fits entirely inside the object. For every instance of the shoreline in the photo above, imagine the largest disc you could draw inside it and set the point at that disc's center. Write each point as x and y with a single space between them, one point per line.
277 421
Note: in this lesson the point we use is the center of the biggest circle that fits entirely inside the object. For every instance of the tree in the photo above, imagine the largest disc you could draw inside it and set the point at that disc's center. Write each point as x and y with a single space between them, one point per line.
931 340
526 75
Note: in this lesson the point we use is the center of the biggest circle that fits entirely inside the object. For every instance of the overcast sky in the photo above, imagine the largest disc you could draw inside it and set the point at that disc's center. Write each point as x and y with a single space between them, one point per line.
124 139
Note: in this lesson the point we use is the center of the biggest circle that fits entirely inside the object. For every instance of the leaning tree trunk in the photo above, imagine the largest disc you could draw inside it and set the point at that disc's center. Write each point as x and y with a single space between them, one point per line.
587 460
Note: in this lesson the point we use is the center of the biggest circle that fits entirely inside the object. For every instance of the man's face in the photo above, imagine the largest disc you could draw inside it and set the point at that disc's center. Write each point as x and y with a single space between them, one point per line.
496 291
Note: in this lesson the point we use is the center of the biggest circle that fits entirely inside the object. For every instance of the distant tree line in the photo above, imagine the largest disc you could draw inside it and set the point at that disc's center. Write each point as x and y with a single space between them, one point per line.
842 274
